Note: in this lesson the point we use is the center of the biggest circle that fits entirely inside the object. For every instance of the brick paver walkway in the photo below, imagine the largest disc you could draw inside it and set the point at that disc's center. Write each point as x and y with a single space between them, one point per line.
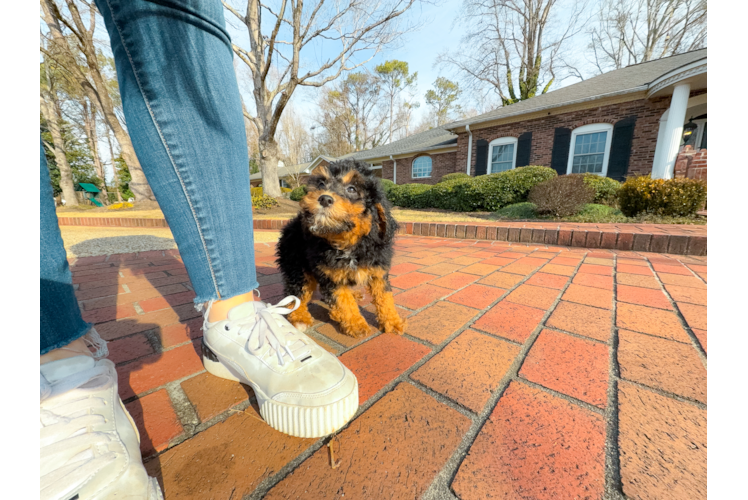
527 371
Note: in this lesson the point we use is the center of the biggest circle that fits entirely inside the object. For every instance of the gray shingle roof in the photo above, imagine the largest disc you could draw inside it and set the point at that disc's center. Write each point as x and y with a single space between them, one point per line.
283 171
430 139
623 81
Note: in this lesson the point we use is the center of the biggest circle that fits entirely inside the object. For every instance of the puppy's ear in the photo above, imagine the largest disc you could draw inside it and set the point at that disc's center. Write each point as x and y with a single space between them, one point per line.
382 223
321 171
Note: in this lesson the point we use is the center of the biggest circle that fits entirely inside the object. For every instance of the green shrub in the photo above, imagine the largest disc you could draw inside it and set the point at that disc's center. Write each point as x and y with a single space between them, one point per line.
264 202
456 175
676 197
494 191
524 210
598 214
410 195
561 196
298 193
606 189
387 185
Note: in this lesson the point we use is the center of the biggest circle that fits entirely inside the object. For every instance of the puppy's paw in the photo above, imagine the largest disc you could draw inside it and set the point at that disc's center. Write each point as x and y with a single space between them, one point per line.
394 324
301 320
357 329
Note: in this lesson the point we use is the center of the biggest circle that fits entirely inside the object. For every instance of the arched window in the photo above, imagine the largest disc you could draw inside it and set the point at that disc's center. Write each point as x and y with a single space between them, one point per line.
502 155
421 167
590 149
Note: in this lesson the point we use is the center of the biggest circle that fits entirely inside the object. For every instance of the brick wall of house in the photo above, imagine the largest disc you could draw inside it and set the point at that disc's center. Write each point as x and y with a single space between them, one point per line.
691 164
441 164
648 113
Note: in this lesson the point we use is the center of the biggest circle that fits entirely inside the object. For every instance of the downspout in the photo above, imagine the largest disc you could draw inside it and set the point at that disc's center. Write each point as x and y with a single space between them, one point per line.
470 147
394 169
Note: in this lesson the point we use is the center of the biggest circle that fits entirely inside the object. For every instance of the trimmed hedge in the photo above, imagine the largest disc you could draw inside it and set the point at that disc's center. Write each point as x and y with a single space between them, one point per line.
682 197
453 176
606 189
467 194
562 196
298 193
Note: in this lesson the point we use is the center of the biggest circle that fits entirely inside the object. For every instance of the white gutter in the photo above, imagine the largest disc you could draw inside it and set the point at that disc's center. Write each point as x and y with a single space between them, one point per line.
470 147
394 170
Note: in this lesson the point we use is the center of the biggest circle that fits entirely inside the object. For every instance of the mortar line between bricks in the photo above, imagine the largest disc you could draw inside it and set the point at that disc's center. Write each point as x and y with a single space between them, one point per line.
444 480
694 340
613 484
571 399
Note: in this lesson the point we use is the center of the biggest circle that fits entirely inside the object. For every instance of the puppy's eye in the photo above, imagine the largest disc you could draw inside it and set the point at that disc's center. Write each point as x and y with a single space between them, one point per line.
351 190
321 185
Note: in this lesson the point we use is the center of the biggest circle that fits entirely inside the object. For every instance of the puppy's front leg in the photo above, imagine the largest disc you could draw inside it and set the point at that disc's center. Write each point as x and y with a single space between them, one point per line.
345 311
381 294
300 318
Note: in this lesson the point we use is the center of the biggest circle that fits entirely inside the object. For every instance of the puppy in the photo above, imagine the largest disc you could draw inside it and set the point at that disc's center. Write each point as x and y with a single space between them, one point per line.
342 237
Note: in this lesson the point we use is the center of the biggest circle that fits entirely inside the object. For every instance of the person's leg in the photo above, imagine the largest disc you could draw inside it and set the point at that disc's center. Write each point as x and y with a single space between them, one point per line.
181 100
77 391
61 327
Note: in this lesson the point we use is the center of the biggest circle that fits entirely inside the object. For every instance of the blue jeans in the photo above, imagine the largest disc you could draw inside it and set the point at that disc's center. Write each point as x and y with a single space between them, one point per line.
184 116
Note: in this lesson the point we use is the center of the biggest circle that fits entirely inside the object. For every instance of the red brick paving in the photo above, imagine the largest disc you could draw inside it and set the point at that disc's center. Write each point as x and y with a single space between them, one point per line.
535 445
570 365
541 439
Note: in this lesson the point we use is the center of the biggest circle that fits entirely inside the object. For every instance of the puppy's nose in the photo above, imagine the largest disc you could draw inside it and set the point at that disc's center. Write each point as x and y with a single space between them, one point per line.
325 200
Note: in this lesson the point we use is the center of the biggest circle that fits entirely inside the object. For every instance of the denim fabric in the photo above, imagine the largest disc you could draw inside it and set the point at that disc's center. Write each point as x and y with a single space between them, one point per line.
61 321
184 115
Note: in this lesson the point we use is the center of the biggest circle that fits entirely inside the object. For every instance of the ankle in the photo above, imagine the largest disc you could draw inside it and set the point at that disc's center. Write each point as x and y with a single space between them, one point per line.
77 347
219 311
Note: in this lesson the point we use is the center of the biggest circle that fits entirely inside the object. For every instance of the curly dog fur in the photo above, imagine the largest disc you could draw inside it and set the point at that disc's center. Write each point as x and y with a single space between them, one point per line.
341 238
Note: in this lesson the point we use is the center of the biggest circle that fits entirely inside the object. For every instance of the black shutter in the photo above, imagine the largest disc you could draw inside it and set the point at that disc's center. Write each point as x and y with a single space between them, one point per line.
560 153
620 148
481 157
523 149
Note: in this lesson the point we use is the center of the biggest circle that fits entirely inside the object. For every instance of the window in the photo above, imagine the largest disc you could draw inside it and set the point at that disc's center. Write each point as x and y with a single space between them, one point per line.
590 149
421 167
284 184
502 155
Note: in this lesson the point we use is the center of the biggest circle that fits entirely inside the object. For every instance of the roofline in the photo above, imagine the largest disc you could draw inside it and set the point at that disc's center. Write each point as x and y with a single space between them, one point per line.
461 125
678 74
631 90
432 150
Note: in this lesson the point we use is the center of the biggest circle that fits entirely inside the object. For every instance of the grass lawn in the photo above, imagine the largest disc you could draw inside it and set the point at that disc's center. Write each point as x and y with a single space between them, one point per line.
592 213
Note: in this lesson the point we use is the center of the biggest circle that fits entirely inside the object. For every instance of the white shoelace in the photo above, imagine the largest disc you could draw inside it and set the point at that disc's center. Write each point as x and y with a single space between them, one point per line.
71 453
264 327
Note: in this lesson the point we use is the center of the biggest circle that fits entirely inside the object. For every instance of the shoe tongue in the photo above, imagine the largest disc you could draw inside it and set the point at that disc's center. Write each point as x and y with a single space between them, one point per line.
244 310
58 370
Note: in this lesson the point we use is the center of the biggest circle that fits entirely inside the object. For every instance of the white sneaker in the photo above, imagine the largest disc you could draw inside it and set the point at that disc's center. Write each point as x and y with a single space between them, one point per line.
302 390
90 447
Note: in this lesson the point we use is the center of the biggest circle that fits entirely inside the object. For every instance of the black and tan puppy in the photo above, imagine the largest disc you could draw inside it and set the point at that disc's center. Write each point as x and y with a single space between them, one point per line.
342 237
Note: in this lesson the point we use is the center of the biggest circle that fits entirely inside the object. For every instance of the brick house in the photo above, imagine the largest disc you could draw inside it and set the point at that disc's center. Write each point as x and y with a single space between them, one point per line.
289 175
630 121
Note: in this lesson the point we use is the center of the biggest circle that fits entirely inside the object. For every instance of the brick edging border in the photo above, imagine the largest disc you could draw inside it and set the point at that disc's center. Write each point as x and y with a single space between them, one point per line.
612 240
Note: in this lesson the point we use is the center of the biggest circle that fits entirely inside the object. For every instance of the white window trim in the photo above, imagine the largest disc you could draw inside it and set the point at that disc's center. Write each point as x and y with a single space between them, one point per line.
590 129
423 176
500 142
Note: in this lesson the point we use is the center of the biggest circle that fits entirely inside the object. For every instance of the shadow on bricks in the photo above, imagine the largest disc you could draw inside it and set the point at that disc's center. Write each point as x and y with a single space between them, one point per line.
142 305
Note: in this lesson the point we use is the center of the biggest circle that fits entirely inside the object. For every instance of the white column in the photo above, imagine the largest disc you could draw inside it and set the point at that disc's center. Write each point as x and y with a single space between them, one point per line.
664 167
470 148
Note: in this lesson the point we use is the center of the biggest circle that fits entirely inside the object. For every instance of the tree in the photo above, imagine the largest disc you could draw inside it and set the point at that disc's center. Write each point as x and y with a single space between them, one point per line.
508 39
286 41
395 78
294 137
635 31
443 99
52 114
89 115
90 76
77 156
362 91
